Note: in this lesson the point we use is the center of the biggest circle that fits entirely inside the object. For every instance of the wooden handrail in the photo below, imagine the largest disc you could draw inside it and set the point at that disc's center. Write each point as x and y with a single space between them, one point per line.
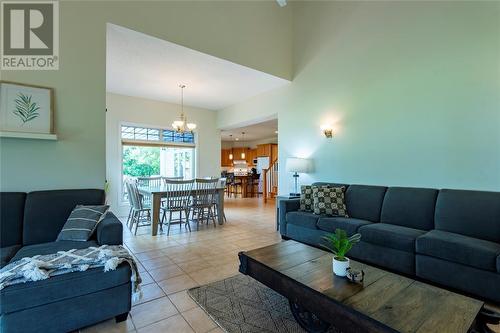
265 189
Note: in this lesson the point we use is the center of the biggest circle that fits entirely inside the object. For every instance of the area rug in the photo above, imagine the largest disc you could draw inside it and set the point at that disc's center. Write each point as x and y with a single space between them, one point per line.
240 304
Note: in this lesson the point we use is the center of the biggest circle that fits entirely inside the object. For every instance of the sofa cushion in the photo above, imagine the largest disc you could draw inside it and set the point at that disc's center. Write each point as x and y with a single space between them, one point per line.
350 225
365 202
330 184
409 207
46 212
390 235
306 198
329 201
461 249
82 222
11 218
303 219
49 248
470 213
61 287
6 253
31 294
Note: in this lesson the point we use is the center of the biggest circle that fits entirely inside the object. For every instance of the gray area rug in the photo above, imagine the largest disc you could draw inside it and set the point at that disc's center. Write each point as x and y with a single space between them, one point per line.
241 304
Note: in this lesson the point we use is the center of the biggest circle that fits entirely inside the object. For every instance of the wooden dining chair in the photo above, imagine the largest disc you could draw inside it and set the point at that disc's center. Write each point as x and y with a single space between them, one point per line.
141 212
177 199
173 178
131 204
155 181
202 204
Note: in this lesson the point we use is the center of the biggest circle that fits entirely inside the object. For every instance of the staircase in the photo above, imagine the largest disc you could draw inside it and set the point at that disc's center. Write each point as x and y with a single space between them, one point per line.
270 180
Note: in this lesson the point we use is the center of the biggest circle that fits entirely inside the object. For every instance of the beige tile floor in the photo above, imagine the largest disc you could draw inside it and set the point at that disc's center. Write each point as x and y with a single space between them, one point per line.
170 265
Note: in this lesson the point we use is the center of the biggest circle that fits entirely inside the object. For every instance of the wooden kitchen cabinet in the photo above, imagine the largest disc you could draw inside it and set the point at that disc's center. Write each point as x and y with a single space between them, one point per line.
268 150
237 151
274 152
252 155
264 150
224 158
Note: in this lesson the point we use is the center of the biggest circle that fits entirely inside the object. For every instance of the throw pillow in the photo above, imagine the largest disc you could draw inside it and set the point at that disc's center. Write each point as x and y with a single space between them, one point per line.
329 201
306 199
82 222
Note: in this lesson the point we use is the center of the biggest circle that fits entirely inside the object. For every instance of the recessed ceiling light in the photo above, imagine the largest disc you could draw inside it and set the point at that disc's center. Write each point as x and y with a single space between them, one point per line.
237 139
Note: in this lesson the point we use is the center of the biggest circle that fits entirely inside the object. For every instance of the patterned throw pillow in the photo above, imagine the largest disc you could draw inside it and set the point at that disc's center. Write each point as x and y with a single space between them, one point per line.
82 222
306 199
329 201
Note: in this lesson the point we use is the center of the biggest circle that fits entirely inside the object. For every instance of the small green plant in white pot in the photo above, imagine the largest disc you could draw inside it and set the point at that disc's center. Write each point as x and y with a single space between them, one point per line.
339 244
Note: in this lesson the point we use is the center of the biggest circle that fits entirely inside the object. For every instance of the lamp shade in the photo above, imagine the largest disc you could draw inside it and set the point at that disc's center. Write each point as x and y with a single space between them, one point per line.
299 165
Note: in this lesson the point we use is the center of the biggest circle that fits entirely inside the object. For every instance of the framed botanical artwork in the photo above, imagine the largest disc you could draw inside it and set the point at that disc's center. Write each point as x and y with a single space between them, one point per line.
26 109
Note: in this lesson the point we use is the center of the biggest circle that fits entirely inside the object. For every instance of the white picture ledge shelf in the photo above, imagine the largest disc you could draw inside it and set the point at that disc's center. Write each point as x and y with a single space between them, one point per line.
24 135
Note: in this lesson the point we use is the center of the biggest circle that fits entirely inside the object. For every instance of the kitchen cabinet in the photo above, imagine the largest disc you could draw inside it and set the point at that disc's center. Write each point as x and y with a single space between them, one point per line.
252 155
224 158
274 152
264 150
268 150
237 151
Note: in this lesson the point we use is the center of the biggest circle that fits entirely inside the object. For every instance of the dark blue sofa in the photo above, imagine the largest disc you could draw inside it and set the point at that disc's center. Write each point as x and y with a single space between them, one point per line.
29 225
449 237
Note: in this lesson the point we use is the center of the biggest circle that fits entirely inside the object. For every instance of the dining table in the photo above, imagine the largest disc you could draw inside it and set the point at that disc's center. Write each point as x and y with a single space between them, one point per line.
156 193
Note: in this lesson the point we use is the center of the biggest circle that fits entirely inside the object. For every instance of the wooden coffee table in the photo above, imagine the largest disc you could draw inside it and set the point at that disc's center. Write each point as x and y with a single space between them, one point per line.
384 302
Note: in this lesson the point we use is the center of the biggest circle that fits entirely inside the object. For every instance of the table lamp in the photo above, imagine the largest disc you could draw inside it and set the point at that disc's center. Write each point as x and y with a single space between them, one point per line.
297 165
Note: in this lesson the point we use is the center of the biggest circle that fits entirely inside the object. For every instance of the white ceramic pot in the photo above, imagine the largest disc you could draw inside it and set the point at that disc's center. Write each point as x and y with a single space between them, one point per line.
340 267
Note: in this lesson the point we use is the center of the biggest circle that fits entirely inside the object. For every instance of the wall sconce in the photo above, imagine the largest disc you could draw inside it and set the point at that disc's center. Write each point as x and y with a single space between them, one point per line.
327 131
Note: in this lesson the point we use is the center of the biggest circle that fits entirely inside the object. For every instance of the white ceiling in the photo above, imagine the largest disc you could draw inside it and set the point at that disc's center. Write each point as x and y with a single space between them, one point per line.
264 130
144 66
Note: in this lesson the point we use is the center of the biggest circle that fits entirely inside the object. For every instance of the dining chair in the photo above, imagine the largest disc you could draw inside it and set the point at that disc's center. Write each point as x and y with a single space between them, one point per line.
177 199
131 204
173 178
155 181
150 181
202 203
141 212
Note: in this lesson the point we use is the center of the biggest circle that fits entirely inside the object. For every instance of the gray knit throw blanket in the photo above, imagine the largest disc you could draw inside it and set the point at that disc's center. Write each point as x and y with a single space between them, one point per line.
42 267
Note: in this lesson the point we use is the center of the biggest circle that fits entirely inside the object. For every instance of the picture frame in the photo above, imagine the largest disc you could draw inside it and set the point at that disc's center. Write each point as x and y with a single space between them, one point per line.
26 111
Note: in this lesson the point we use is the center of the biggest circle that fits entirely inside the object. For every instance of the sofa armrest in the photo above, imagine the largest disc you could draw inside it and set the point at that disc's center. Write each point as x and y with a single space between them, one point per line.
110 231
287 205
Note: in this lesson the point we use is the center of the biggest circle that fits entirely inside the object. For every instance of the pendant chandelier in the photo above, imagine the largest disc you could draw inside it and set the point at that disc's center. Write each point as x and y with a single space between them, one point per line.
231 153
243 156
182 125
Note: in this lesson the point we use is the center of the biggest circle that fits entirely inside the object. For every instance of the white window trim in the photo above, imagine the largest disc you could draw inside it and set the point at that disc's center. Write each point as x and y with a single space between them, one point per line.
121 201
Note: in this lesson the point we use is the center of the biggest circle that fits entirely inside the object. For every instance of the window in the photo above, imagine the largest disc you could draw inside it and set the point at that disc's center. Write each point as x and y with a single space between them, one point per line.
154 134
148 152
173 136
140 133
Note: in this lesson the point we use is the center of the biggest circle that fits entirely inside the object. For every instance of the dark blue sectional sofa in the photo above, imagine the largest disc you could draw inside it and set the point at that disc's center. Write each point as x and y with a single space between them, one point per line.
448 237
29 225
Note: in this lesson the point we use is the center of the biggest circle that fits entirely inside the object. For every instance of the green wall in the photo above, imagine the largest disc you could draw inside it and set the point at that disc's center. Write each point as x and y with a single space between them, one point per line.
412 89
254 34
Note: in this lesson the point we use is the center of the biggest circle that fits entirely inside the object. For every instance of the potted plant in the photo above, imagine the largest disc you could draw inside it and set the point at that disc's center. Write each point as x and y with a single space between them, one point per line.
339 244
